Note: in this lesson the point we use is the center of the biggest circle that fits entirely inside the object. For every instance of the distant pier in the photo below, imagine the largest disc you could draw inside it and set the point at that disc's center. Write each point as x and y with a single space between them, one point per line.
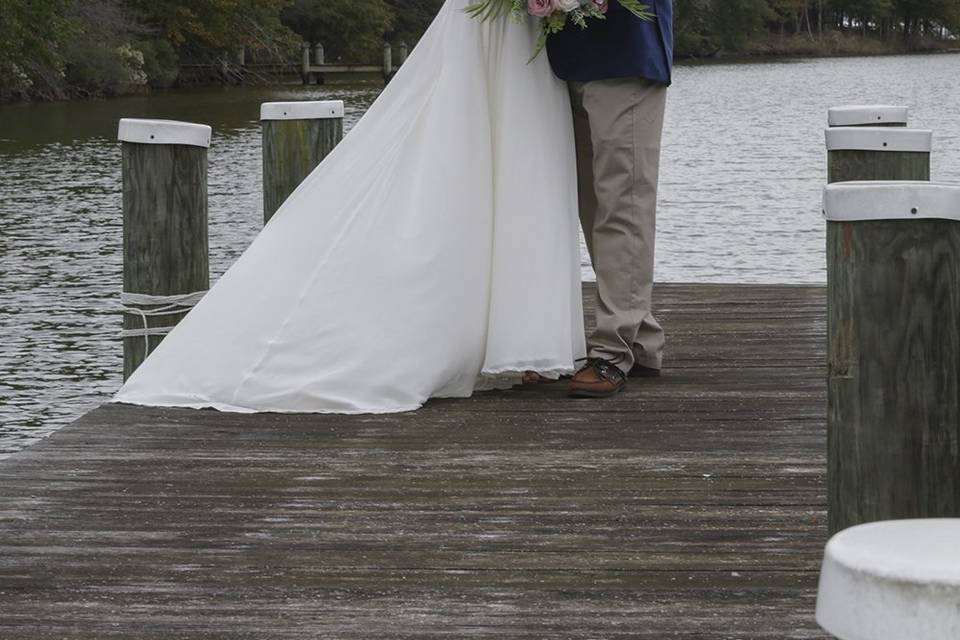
314 67
236 67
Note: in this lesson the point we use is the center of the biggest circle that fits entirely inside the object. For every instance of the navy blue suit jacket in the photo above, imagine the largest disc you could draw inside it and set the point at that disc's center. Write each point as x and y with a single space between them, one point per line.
622 46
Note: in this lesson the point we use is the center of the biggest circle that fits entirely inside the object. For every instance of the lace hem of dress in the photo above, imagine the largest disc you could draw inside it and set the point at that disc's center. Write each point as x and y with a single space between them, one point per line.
506 379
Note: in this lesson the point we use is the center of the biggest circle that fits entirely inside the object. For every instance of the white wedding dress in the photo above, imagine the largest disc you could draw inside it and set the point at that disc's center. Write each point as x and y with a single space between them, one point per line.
434 250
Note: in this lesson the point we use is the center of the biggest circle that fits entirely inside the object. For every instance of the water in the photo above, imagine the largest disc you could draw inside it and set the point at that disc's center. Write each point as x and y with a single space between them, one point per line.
743 166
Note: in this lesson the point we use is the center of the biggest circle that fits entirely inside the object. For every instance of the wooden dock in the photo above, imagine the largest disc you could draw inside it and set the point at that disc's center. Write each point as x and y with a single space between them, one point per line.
691 506
314 68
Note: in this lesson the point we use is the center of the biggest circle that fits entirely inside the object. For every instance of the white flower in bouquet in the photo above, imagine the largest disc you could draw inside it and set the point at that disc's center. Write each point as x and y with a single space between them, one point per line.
566 5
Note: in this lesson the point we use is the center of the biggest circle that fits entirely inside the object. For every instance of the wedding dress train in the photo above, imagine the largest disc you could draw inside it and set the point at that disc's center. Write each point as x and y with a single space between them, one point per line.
436 247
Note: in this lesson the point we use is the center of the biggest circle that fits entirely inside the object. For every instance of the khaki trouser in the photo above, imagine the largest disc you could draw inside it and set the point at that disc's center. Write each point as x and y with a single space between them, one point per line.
618 125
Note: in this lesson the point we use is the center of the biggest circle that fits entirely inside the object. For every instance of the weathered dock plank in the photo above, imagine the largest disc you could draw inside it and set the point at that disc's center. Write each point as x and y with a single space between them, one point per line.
691 506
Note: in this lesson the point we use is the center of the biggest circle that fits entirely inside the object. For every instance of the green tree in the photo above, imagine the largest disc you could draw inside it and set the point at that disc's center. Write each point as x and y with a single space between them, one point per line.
790 11
100 57
31 35
732 22
350 30
411 19
214 23
691 29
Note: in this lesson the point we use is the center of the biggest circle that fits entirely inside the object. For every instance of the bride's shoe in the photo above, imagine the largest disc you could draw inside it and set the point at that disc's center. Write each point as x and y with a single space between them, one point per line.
532 378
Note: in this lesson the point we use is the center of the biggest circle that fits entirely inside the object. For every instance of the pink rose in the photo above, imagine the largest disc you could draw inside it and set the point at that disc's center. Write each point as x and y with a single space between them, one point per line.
539 8
603 5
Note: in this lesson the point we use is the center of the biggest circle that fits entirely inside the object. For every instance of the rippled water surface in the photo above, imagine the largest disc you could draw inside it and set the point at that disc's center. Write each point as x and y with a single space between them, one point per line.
743 166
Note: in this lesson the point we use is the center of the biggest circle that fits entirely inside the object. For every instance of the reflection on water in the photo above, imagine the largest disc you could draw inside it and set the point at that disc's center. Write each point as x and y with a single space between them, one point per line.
744 160
743 165
61 237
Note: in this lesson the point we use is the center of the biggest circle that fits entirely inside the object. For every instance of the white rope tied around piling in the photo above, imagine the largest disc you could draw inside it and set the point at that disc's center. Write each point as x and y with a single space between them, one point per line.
130 303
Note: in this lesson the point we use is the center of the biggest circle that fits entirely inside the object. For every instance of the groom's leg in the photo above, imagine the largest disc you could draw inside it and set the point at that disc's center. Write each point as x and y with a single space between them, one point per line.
626 123
586 193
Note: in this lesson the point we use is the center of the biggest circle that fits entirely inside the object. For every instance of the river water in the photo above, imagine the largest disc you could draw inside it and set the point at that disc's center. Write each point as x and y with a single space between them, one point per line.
743 167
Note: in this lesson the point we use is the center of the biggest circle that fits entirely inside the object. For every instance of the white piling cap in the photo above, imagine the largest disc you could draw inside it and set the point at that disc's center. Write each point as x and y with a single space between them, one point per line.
893 200
866 114
892 580
314 110
879 139
164 132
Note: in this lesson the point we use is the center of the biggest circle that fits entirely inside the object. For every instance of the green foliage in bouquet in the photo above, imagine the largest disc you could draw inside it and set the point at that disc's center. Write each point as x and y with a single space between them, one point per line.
491 9
638 9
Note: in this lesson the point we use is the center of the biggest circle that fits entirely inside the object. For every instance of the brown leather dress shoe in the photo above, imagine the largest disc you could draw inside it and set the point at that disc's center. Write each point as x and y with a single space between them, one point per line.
598 378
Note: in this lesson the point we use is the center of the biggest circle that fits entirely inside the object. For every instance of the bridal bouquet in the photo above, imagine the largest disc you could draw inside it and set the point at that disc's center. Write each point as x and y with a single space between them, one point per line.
553 14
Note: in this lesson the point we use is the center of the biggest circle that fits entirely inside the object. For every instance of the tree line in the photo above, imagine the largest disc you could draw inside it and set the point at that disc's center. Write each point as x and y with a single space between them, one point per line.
707 27
55 49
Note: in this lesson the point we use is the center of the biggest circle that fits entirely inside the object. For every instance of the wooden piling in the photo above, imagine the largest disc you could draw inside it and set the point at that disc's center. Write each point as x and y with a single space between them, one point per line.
873 115
878 153
305 62
893 417
387 61
404 52
297 136
165 246
319 59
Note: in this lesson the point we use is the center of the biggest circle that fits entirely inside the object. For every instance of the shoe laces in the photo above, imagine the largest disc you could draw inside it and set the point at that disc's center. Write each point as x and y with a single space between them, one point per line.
606 367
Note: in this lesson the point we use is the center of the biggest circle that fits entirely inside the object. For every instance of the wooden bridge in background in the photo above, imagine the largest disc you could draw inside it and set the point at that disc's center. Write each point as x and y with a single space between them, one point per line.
315 69
234 66
691 506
